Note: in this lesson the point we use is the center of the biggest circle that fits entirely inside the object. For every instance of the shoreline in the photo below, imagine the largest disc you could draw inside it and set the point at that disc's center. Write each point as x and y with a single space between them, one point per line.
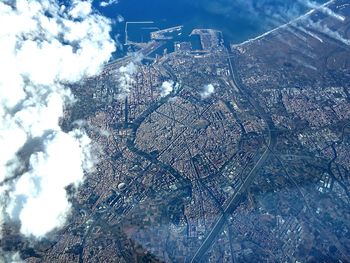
250 40
284 25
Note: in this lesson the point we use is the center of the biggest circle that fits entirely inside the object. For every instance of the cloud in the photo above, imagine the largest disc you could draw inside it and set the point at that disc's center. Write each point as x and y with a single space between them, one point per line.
43 46
324 9
39 198
10 257
120 18
207 91
89 126
324 29
268 13
166 88
302 29
125 78
108 3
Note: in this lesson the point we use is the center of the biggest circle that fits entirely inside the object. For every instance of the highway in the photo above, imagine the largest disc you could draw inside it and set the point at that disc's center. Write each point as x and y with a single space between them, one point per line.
237 197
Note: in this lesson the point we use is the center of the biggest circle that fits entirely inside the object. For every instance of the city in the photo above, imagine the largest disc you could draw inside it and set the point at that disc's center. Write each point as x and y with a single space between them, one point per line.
231 153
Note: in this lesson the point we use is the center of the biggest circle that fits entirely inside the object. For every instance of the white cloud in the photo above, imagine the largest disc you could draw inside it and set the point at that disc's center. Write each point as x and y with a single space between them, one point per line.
120 18
42 47
10 257
166 88
302 29
125 78
324 29
80 9
207 91
108 3
324 9
39 197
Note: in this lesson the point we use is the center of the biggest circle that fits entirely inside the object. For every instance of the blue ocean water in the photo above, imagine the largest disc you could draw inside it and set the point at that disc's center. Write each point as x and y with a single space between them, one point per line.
239 20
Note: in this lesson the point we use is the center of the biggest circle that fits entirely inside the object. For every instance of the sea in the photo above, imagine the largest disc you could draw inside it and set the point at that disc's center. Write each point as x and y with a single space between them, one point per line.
239 20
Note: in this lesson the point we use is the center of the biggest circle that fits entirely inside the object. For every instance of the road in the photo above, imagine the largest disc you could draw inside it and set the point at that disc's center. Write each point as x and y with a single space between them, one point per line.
237 197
